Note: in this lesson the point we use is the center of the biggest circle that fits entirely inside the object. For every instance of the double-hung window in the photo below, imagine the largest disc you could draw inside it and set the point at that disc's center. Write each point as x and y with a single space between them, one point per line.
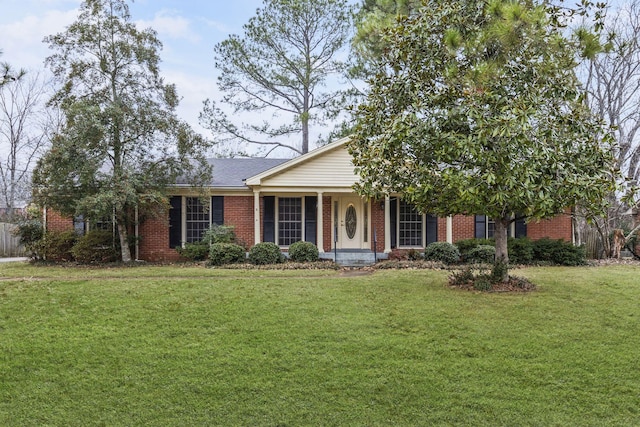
190 217
197 219
412 229
485 227
409 225
289 220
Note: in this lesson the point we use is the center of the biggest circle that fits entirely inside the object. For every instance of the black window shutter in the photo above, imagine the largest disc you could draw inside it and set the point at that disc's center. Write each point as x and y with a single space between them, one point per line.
393 207
521 228
175 222
481 227
432 229
268 219
217 210
310 218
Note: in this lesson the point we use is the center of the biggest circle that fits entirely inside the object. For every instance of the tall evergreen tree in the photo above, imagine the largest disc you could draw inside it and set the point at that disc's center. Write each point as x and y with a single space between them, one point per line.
281 67
123 143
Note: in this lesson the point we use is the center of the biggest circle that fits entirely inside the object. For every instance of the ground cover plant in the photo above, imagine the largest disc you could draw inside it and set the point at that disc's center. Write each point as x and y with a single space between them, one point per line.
186 345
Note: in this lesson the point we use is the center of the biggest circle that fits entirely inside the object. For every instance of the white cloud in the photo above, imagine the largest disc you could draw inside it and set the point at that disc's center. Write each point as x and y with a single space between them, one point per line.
217 26
176 27
22 40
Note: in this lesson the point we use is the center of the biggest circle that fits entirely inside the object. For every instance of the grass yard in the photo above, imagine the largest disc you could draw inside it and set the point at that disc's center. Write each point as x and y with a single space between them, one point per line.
178 346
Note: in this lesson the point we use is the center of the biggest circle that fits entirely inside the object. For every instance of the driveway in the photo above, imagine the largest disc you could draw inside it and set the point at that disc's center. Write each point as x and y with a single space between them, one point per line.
16 259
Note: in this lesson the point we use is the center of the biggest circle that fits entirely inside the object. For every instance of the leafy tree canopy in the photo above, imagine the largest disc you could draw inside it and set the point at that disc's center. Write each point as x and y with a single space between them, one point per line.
477 110
123 143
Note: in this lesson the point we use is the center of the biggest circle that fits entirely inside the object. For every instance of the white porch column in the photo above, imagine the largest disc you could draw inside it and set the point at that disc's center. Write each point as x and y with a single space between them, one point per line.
256 216
320 223
449 229
387 224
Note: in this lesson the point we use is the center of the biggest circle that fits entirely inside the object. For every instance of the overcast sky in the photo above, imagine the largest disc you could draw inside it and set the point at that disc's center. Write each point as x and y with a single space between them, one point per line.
188 30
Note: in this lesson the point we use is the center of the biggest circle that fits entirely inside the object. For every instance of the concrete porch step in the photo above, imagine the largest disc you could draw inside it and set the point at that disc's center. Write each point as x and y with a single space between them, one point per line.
353 258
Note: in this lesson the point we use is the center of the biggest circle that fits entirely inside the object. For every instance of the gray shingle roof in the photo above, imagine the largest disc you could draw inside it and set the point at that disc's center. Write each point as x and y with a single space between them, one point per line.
231 173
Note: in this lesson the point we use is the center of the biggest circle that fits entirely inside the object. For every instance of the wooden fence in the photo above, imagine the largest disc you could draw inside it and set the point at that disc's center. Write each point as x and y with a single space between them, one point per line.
9 244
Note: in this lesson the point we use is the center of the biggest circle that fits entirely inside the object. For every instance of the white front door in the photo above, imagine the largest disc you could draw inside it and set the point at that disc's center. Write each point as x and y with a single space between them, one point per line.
351 224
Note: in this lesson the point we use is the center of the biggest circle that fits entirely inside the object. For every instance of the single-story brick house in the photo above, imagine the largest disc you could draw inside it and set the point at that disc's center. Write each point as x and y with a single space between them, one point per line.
309 198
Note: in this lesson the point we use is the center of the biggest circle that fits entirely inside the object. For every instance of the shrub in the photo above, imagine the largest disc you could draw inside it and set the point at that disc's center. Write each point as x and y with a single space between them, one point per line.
558 252
462 277
197 251
226 253
265 253
481 254
466 245
520 250
442 251
30 232
97 246
303 252
219 234
482 282
57 245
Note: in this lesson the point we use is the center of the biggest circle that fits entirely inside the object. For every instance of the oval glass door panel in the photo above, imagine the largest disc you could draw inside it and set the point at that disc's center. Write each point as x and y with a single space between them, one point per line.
351 221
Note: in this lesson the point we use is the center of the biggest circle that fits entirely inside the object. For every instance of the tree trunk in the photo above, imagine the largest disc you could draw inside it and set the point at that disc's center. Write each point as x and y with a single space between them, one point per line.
502 254
124 242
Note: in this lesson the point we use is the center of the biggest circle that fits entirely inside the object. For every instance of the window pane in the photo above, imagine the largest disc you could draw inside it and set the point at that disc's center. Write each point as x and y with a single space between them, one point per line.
410 225
197 217
289 220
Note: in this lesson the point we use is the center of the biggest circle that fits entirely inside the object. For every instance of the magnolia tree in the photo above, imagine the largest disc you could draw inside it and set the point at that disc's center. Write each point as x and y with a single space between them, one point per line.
476 109
122 143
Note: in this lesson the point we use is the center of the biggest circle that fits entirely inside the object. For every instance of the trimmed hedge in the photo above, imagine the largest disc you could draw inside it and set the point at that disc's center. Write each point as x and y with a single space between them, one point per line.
226 253
303 252
527 251
442 251
558 252
481 254
265 253
197 251
520 250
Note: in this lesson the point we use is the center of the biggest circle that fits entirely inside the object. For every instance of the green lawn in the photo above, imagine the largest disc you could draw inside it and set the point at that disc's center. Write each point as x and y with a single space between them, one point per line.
165 346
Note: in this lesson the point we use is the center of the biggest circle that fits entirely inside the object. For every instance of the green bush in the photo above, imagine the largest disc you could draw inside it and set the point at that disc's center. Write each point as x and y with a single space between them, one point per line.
57 245
30 232
303 252
226 253
520 250
219 234
558 252
442 251
97 246
481 254
466 245
462 277
482 282
265 253
196 251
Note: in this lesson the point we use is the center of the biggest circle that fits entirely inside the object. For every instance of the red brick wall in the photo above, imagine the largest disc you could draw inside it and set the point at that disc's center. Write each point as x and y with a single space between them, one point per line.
326 224
238 211
559 227
154 240
463 227
377 224
442 229
57 222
